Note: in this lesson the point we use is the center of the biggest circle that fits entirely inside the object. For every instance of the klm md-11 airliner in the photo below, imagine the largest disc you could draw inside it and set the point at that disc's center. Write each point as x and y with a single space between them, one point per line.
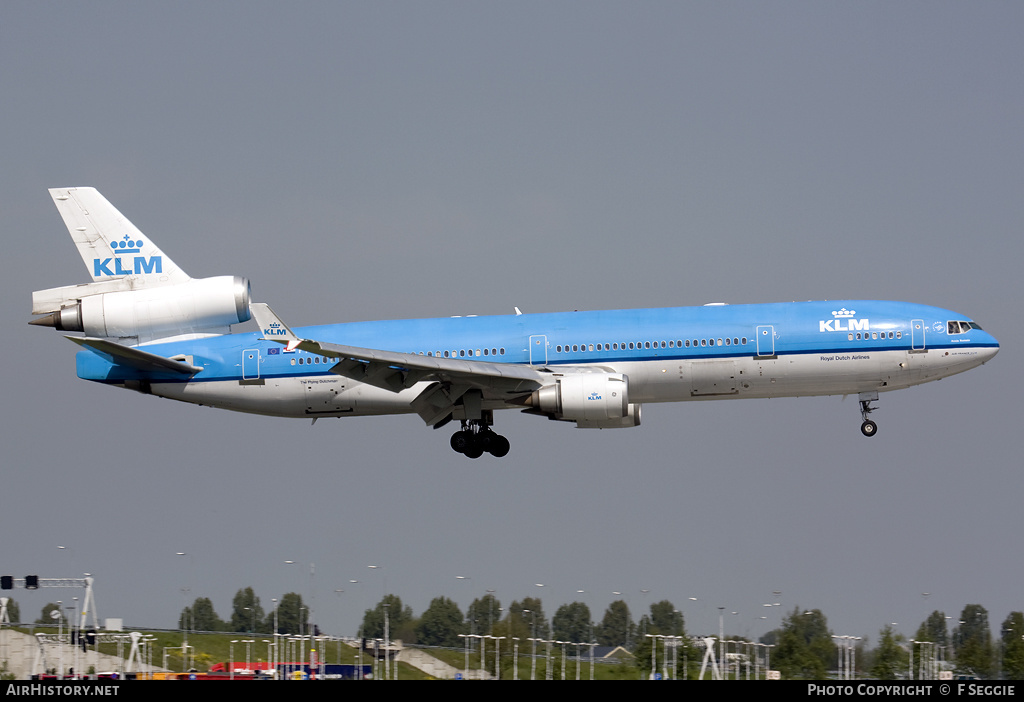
147 326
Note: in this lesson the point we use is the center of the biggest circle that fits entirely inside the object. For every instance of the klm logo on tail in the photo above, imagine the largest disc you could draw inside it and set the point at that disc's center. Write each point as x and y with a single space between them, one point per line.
138 265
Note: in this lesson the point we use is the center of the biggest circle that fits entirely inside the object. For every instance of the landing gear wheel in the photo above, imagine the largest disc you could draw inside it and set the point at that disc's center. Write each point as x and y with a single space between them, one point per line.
499 446
460 441
868 428
477 438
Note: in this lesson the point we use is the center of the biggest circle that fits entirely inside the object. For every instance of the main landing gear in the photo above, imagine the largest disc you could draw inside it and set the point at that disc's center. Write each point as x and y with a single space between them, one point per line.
868 428
476 438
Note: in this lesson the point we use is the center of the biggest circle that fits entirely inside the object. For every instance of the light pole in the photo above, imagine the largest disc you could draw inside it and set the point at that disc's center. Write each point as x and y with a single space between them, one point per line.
533 639
184 598
271 647
490 608
248 643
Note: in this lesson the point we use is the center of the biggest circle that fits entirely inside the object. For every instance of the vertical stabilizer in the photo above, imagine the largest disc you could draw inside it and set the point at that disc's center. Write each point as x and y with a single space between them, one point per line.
111 246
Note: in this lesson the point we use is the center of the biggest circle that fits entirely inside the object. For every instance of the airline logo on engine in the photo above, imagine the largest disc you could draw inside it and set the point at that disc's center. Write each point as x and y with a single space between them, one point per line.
842 320
116 265
594 396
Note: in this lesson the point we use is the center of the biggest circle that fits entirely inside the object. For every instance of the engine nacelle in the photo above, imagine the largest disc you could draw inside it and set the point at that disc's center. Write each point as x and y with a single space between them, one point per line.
592 400
208 305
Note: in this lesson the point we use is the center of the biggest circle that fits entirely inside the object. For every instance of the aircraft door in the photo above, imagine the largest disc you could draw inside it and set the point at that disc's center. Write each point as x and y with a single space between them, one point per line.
538 350
917 335
250 364
765 335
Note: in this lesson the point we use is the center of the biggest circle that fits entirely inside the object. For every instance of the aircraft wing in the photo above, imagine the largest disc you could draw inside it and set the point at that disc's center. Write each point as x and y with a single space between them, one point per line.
395 371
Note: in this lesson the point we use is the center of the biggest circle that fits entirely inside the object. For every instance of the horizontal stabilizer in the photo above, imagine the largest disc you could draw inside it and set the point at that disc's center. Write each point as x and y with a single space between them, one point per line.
136 358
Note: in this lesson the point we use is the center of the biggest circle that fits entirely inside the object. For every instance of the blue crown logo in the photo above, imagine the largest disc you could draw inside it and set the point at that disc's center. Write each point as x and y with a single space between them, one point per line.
126 246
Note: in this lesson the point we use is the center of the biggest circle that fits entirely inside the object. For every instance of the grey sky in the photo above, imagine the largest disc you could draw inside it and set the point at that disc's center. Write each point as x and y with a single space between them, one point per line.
400 159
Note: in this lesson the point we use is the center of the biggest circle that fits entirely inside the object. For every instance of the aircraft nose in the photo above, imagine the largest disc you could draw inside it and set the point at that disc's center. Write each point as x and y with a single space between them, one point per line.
991 349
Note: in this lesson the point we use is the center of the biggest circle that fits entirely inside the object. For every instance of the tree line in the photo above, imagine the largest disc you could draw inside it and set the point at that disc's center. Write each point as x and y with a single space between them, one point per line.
290 615
803 647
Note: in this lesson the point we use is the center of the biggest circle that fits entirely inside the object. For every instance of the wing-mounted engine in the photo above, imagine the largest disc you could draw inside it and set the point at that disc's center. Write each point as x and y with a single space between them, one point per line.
592 400
202 306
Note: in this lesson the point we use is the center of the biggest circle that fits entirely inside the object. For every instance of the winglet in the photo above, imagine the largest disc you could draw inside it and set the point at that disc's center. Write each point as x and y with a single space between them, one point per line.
272 327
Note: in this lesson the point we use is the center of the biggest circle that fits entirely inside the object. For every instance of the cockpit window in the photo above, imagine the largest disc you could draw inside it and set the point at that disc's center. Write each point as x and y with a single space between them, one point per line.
959 327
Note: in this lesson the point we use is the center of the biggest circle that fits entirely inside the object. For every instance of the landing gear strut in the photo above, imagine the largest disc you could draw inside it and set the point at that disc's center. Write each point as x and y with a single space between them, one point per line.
868 428
476 437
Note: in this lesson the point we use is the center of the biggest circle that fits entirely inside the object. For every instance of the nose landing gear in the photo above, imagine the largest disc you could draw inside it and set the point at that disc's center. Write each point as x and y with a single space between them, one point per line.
868 428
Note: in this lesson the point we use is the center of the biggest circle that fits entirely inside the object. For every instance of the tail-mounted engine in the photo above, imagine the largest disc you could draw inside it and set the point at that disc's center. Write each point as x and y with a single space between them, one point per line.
592 400
197 306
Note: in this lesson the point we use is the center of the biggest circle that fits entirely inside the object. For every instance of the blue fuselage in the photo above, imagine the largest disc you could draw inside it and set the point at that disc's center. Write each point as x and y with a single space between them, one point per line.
669 354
